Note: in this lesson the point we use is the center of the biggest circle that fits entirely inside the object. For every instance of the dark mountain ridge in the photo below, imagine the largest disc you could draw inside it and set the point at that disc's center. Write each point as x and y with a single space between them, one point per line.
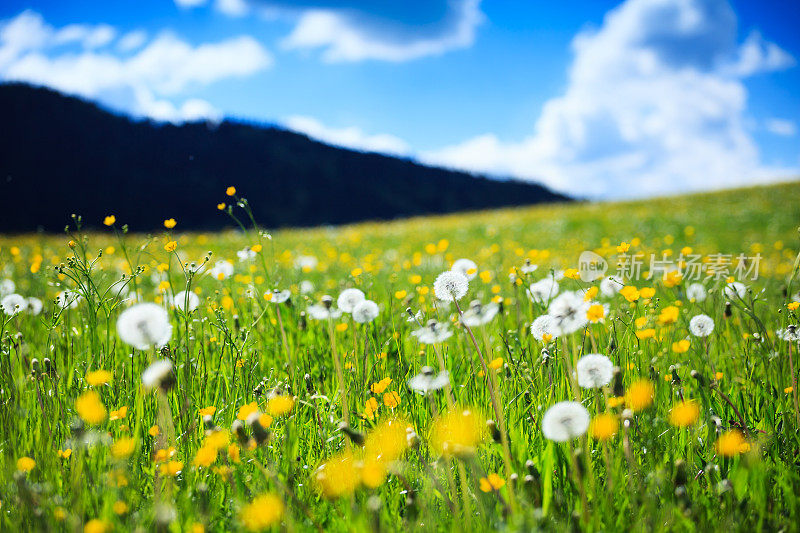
61 155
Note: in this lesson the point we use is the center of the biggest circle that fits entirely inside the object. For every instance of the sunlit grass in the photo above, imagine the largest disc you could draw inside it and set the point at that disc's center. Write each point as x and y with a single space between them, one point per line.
262 416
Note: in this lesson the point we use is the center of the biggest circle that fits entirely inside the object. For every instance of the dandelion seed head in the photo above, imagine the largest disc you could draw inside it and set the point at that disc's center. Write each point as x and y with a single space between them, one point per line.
543 325
365 311
156 374
696 292
565 421
701 325
450 286
543 290
349 298
736 290
144 326
13 304
186 301
610 286
594 370
465 267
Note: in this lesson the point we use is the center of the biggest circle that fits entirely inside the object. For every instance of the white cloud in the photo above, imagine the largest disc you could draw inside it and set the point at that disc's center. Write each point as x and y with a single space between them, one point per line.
187 4
165 66
233 8
653 105
350 137
780 126
132 40
756 56
343 38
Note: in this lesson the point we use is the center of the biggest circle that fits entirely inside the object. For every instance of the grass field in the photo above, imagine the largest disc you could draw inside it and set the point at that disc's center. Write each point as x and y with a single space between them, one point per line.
250 411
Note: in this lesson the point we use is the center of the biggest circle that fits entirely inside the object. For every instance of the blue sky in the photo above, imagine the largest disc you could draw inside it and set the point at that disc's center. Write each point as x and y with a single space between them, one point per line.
594 98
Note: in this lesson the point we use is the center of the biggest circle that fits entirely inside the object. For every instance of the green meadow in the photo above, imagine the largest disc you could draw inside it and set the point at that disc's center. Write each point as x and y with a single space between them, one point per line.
254 394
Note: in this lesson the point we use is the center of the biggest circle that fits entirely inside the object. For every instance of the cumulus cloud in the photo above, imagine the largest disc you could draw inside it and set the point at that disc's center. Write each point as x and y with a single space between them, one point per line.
780 126
233 8
350 137
655 103
165 66
186 4
346 35
132 40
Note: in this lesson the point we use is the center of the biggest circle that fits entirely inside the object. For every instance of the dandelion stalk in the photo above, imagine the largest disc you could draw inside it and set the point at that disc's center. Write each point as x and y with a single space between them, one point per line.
495 405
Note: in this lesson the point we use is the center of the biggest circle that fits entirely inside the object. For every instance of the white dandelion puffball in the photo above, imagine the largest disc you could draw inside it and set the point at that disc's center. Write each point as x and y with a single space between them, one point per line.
306 287
365 311
278 297
543 325
543 290
479 314
348 299
144 326
736 290
306 262
13 304
701 325
696 292
433 332
428 380
789 334
156 372
594 371
186 297
465 267
610 286
450 286
34 306
568 310
245 254
565 421
67 298
320 312
7 286
221 270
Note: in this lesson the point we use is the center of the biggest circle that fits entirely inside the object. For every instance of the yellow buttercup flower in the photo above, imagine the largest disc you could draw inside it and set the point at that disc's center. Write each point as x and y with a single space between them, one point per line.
171 246
639 395
380 386
630 293
391 399
646 334
109 220
732 443
668 315
682 346
647 292
595 313
262 513
207 411
338 476
205 456
25 464
457 432
491 482
170 223
246 410
123 448
603 426
684 414
280 405
90 408
98 377
230 191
